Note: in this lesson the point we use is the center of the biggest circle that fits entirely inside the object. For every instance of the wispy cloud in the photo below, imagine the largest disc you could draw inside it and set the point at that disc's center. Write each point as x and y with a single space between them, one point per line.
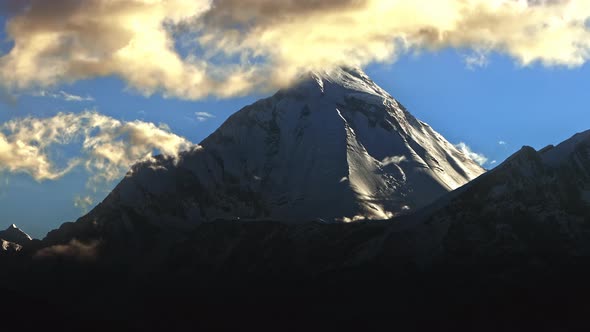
477 59
83 202
73 250
237 46
64 96
477 157
204 116
502 143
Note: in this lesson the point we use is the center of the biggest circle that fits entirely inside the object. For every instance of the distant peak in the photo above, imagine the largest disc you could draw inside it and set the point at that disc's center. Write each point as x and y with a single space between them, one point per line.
526 155
15 234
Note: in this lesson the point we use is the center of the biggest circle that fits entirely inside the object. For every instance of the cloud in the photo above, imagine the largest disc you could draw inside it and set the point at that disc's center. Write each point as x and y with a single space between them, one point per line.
477 157
83 202
502 143
107 146
204 116
73 250
393 160
477 59
63 95
196 48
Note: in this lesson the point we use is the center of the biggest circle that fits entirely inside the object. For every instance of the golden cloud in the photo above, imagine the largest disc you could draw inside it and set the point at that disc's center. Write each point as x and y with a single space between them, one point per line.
108 146
196 48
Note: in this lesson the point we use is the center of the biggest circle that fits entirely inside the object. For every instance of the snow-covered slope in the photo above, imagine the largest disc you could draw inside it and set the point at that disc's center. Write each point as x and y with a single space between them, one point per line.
335 147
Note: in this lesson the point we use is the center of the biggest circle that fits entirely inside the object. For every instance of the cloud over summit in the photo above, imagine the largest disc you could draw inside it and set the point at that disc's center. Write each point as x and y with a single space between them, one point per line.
196 48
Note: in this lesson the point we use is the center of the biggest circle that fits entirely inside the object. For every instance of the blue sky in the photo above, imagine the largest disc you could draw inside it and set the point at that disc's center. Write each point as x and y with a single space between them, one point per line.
495 109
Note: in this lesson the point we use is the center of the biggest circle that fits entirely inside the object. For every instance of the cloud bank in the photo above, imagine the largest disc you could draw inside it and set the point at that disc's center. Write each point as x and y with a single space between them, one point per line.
107 147
75 250
196 48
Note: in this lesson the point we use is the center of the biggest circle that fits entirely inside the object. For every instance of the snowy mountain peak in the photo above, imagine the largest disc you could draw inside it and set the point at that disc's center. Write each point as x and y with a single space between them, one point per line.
334 147
338 84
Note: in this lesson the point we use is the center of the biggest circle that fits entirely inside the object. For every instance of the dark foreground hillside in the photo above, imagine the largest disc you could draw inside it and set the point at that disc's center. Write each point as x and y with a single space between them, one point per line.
229 275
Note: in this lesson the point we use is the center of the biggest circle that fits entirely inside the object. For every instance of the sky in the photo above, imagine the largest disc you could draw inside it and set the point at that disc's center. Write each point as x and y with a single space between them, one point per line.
90 87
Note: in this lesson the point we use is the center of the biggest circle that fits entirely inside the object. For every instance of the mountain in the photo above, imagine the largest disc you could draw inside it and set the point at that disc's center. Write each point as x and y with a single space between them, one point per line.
536 202
15 235
334 147
528 217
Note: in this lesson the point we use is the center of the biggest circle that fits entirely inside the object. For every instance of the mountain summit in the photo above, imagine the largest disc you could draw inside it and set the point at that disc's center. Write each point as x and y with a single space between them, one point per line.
13 239
334 147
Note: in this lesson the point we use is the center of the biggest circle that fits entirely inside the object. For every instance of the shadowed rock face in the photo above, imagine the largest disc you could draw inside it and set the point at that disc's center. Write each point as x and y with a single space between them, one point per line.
535 203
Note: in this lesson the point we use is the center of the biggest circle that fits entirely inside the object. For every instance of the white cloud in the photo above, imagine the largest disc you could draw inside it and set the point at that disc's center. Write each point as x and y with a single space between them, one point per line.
233 47
83 202
108 147
204 116
64 96
393 160
477 59
493 162
502 143
466 150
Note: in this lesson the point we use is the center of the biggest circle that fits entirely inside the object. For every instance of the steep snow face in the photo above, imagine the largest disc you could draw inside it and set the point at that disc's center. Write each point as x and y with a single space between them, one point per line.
335 147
